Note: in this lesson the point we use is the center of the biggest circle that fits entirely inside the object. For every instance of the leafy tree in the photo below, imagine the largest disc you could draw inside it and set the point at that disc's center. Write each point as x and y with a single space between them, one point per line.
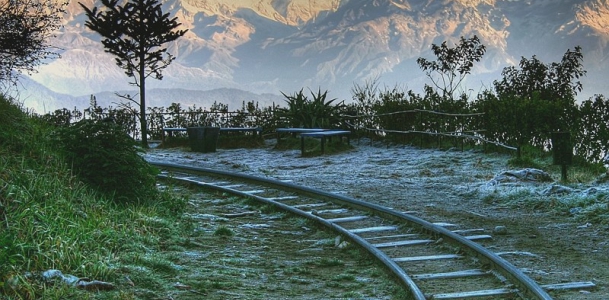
553 82
135 33
533 100
452 64
593 134
25 27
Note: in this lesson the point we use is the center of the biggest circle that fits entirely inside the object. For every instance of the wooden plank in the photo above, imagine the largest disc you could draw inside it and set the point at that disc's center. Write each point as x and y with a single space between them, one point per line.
569 286
283 198
254 192
299 130
259 129
347 219
473 294
521 253
450 275
403 243
479 237
373 229
231 186
325 133
330 211
468 231
174 129
442 224
241 214
310 205
427 257
406 235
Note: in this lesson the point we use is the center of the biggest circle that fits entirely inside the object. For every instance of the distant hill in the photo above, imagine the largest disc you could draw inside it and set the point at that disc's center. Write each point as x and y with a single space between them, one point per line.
41 100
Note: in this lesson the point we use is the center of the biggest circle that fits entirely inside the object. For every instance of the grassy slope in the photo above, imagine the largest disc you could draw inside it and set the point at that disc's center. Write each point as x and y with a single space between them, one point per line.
50 220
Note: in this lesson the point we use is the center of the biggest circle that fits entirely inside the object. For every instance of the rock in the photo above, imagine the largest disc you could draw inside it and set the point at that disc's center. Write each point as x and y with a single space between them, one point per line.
89 285
594 191
343 245
500 230
525 175
557 189
95 285
50 275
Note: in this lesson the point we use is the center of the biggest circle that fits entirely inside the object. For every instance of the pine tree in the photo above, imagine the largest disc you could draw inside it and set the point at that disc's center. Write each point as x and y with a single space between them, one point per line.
135 33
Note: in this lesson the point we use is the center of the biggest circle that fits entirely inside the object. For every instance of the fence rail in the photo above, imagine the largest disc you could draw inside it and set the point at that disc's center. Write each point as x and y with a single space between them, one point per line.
437 126
410 122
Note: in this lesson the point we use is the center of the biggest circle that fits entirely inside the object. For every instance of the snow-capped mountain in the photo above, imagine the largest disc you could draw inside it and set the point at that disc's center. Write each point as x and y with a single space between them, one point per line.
268 46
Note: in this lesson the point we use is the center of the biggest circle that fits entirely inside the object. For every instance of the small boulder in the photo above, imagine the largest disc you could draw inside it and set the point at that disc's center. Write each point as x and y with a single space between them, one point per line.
557 189
525 175
500 230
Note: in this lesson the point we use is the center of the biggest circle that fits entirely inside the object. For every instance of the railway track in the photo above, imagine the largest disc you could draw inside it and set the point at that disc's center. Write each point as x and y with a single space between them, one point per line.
431 260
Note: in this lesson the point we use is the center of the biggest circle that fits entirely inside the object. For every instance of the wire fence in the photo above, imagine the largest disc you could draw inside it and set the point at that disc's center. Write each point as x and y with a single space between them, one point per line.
412 126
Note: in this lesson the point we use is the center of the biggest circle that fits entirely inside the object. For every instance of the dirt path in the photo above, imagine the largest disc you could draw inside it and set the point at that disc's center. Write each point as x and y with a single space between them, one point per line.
448 186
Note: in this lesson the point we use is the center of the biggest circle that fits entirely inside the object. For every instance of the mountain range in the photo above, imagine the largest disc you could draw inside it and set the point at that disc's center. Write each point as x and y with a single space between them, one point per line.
260 48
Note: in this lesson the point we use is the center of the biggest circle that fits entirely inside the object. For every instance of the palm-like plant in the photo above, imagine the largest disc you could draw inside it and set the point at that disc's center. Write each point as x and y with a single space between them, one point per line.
316 113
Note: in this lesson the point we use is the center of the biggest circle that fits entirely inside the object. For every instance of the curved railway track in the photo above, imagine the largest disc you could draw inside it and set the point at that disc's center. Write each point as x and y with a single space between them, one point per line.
431 260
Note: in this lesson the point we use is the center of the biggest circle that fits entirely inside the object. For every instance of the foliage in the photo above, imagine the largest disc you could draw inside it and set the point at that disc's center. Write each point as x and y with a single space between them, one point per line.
521 121
135 33
102 155
316 113
532 101
361 113
397 110
452 64
553 82
592 135
250 115
25 27
62 117
12 120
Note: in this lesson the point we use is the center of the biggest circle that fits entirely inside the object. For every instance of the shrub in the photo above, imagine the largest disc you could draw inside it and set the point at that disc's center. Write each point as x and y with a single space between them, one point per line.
102 155
316 113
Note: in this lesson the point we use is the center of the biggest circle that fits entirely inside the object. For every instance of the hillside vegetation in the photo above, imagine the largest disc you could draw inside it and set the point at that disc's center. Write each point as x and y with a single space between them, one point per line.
50 219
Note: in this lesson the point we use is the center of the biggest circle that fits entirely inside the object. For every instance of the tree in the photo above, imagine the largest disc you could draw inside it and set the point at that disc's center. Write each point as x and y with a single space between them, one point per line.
452 64
553 82
135 33
25 27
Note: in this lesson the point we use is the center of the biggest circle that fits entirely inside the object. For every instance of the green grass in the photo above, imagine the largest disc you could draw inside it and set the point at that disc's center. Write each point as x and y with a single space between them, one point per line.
51 220
224 231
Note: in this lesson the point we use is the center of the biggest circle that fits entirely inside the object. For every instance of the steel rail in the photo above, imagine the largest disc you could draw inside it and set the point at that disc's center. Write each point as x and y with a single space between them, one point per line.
527 288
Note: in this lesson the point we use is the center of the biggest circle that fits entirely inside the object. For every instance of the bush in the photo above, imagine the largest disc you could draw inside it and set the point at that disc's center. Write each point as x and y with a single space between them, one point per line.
316 113
102 155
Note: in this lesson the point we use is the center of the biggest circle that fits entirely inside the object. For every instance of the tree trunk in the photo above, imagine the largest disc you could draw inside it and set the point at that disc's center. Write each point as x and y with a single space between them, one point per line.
143 121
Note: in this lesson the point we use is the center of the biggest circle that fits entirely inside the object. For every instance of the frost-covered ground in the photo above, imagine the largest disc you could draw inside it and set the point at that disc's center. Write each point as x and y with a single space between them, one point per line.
465 188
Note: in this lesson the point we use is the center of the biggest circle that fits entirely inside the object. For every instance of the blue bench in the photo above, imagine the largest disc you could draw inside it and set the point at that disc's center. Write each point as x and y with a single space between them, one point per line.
323 135
255 130
295 131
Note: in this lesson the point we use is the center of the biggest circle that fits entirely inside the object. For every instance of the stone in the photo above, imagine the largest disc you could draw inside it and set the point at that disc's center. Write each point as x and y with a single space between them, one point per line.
500 230
525 175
